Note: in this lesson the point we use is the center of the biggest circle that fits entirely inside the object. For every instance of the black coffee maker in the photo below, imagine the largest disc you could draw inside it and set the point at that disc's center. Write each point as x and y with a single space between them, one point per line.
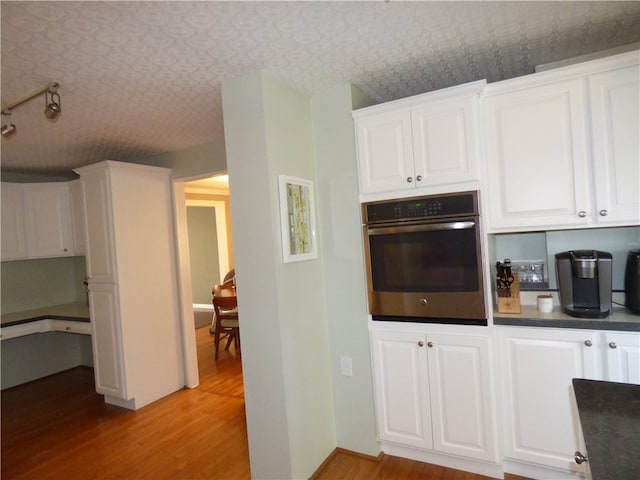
584 280
632 282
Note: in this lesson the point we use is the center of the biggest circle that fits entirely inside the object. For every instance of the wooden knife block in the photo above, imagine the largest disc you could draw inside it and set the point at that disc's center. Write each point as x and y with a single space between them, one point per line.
510 303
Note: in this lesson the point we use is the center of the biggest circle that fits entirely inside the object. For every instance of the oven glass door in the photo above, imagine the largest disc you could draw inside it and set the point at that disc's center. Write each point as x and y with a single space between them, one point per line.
436 258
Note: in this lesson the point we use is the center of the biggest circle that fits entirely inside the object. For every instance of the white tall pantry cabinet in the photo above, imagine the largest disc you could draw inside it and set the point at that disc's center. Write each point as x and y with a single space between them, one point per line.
133 292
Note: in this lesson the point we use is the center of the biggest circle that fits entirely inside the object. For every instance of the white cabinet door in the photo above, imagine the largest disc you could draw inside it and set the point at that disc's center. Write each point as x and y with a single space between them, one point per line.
461 395
99 229
615 123
106 339
536 145
77 217
445 141
48 220
14 240
541 419
402 388
622 355
385 151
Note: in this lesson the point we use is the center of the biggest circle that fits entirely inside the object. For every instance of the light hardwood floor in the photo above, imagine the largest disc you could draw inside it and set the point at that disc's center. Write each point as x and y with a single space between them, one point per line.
59 428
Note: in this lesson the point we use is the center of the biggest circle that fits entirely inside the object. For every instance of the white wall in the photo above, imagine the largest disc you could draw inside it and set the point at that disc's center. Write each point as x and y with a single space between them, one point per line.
288 391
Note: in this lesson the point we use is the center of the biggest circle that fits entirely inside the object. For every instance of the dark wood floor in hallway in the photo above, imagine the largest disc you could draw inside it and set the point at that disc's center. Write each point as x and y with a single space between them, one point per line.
59 428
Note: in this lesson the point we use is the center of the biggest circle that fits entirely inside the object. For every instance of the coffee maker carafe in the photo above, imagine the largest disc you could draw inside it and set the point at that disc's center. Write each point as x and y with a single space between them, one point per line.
584 281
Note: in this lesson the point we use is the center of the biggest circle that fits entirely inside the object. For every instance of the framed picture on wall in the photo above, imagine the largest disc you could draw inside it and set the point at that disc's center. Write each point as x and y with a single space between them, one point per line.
297 219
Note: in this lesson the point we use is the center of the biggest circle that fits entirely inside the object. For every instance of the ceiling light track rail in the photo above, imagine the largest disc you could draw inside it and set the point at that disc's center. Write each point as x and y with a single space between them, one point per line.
52 104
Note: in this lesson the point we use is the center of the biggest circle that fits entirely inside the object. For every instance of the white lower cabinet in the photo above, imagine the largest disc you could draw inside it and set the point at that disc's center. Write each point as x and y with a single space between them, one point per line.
434 393
622 357
540 418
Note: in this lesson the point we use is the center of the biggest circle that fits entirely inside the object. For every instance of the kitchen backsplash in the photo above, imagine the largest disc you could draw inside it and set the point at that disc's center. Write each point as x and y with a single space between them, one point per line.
28 284
544 245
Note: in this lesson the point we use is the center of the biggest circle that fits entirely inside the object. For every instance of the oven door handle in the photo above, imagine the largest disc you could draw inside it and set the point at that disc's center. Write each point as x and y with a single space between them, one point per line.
431 227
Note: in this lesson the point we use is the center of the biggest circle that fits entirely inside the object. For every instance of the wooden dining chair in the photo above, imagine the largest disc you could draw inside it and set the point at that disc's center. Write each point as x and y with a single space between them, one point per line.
225 310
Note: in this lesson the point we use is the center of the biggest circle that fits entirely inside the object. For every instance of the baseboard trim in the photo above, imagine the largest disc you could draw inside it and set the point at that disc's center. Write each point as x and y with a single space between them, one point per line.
203 307
344 451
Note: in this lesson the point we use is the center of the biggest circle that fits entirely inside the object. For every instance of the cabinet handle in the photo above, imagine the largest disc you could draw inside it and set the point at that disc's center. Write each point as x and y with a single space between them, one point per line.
613 345
582 214
409 179
421 343
430 344
603 213
419 178
580 458
588 343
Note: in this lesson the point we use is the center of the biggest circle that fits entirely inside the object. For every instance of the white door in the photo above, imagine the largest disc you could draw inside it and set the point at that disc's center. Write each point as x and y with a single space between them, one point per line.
622 357
14 241
541 418
48 219
461 395
106 339
536 147
385 152
445 141
99 228
402 388
615 124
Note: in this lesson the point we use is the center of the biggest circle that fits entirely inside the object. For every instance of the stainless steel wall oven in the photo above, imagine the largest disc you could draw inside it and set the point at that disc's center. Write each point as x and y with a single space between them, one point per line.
424 261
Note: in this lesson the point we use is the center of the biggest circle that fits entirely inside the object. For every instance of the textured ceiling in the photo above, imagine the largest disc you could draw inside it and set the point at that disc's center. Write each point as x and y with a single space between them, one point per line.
143 78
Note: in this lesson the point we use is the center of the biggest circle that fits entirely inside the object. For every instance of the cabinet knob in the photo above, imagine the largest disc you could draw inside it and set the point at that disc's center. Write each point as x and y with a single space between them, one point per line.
66 249
613 345
423 301
580 458
430 344
582 214
419 178
421 343
67 328
409 179
588 343
603 213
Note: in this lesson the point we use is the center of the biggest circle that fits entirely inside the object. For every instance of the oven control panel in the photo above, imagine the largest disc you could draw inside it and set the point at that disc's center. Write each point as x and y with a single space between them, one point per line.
428 207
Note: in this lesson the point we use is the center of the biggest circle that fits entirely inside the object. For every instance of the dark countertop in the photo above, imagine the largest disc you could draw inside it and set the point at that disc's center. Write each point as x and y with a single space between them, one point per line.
74 312
620 320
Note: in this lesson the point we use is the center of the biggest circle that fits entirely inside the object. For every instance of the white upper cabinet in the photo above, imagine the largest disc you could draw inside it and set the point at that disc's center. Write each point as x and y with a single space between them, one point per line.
48 221
37 221
430 140
562 147
14 241
537 155
615 123
77 217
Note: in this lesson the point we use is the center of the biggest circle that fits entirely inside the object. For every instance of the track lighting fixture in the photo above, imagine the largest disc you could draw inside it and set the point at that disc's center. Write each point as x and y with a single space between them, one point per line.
51 101
8 128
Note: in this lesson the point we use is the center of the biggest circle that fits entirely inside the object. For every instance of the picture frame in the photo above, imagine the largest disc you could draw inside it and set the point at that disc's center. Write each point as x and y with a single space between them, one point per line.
297 219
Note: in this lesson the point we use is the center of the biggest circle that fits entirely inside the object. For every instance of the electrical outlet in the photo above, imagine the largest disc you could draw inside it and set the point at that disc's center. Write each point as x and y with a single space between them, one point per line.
346 367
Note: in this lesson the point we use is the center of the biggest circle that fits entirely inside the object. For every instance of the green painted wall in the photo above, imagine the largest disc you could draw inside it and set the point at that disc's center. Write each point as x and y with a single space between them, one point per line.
203 252
290 417
27 284
344 274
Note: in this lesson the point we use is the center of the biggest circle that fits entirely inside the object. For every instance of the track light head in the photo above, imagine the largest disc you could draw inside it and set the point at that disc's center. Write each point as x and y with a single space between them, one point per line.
8 129
52 108
51 111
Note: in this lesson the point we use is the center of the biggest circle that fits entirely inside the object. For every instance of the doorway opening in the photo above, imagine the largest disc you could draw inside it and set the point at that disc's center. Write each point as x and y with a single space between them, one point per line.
206 255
